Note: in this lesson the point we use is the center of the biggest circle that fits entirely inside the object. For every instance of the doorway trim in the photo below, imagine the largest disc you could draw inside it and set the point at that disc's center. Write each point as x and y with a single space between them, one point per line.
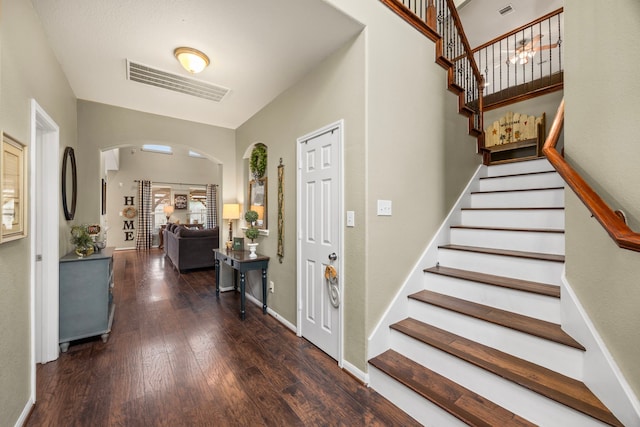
339 126
45 144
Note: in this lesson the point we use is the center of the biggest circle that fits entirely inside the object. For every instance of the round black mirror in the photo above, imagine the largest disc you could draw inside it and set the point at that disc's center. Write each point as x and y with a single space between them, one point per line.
69 183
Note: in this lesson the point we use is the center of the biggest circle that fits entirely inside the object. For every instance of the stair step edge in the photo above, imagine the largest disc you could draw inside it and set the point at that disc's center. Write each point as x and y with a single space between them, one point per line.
514 229
505 252
511 175
525 324
546 382
439 390
500 281
515 190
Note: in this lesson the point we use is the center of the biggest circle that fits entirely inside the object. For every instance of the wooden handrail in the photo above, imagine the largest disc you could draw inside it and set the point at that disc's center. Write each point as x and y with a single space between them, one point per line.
612 221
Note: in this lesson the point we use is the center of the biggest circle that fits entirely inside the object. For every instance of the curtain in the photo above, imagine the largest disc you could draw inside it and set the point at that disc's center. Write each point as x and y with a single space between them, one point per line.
144 237
212 205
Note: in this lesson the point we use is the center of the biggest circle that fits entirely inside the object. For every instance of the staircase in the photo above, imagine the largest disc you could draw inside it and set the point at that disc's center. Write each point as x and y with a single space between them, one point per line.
482 344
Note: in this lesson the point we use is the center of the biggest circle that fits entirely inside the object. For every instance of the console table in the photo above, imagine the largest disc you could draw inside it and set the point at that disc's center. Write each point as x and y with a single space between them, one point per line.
241 263
86 302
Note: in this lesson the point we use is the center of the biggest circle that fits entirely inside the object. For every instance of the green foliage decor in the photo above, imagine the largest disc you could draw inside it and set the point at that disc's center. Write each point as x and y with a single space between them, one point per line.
82 240
258 161
251 232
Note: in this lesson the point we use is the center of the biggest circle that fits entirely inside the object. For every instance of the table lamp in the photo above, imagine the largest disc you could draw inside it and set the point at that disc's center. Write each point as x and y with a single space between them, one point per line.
231 211
168 211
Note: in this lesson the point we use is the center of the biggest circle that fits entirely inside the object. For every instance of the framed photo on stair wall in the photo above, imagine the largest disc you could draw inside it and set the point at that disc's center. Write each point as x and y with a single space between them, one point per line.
12 189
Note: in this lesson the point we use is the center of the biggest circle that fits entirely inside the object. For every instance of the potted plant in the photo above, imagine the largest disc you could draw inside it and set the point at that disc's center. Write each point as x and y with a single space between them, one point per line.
252 231
82 240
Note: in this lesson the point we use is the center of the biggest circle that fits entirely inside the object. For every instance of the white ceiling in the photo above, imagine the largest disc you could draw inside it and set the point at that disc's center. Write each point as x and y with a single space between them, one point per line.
258 48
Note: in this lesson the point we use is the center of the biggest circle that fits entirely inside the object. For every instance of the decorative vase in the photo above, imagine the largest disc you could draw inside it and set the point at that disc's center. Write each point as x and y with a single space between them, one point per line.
252 250
84 251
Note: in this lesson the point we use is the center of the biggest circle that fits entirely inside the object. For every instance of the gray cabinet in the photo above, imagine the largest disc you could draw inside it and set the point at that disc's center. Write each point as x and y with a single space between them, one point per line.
86 302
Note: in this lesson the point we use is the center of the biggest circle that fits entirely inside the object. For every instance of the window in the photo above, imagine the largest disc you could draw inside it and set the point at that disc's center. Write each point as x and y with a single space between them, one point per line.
156 148
197 206
161 198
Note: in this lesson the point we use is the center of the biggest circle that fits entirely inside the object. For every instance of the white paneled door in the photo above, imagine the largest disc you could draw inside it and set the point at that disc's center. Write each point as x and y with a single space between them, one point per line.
319 236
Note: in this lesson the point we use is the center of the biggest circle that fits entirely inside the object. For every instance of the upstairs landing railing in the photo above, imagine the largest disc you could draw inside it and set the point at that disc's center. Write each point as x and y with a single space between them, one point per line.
439 21
523 63
613 221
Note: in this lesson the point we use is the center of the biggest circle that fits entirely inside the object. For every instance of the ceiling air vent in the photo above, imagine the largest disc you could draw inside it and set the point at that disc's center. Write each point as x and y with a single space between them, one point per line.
506 10
150 76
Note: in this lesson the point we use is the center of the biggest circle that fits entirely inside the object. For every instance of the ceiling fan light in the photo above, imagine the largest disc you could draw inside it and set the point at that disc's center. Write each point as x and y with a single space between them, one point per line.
191 59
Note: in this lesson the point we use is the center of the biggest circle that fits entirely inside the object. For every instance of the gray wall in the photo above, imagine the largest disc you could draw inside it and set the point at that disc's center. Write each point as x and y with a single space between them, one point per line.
137 164
28 70
102 127
404 141
601 139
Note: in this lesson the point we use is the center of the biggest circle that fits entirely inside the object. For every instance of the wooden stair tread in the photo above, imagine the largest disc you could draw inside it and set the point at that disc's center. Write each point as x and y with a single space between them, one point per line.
517 174
562 389
516 209
506 252
529 230
501 281
529 325
515 190
460 402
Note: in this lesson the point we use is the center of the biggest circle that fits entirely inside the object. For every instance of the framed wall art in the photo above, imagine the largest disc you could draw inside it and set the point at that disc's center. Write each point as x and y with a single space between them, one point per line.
13 189
180 201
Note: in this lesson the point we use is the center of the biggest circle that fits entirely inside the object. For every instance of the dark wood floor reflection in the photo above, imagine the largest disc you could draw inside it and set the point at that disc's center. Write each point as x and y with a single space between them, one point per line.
179 357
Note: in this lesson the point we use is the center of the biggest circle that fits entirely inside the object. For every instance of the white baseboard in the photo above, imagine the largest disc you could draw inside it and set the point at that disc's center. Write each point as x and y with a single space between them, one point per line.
270 311
357 373
25 413
601 373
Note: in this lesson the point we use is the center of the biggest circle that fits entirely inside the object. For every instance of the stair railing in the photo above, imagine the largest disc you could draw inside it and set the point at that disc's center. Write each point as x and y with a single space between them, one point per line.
524 62
613 221
439 21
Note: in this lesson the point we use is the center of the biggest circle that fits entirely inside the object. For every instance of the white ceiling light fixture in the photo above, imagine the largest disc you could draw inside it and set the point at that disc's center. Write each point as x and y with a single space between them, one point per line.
191 59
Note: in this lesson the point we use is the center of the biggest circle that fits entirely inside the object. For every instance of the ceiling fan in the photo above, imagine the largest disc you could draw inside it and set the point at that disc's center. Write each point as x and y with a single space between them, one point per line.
527 50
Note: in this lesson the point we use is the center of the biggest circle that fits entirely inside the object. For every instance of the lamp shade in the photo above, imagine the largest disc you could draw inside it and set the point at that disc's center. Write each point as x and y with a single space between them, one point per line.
231 211
191 59
168 210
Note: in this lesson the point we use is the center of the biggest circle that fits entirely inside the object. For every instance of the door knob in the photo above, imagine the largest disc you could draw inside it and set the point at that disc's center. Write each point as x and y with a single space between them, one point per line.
333 256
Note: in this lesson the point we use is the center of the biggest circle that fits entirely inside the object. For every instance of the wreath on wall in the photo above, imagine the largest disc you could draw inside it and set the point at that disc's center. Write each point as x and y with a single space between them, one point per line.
258 161
129 212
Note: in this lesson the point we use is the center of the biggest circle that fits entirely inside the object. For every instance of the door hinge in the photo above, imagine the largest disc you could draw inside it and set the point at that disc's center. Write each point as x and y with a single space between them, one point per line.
39 257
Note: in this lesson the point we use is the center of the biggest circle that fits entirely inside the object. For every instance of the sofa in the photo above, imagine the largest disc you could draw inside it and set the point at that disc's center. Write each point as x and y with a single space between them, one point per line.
190 248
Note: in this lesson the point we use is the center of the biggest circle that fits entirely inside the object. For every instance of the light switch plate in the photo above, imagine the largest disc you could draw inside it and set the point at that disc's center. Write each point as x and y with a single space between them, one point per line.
351 219
384 207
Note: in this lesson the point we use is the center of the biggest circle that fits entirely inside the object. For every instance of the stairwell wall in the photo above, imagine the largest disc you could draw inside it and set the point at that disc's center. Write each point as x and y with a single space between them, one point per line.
417 154
601 93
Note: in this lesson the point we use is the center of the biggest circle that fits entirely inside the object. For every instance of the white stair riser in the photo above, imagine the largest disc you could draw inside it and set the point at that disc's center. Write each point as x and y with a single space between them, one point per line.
540 180
525 303
534 218
519 199
513 397
518 268
421 409
558 357
529 241
520 167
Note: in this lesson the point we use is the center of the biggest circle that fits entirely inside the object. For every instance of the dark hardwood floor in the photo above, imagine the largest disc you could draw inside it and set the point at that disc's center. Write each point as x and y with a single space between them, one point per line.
179 357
